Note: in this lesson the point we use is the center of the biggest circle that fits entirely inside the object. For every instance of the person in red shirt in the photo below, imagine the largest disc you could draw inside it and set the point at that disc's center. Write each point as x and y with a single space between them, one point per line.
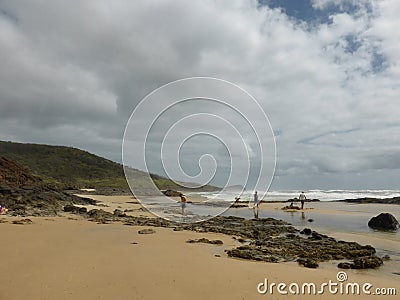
183 203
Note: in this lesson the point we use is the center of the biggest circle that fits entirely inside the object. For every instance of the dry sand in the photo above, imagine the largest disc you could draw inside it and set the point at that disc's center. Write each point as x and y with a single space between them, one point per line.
72 258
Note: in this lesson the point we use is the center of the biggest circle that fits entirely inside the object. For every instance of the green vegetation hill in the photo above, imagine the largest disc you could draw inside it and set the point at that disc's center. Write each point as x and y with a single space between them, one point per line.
74 168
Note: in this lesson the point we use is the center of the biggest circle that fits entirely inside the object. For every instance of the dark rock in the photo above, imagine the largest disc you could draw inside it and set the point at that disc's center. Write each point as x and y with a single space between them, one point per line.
291 235
206 241
306 231
316 236
288 207
75 209
238 205
384 221
394 200
308 263
102 222
297 200
171 193
386 257
22 222
119 213
252 254
345 265
367 262
146 231
101 216
310 220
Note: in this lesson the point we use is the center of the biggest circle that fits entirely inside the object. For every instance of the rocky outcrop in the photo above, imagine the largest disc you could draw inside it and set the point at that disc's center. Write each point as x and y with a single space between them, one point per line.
394 200
247 252
308 263
205 241
75 209
147 231
13 175
25 194
171 193
364 262
22 222
306 231
384 221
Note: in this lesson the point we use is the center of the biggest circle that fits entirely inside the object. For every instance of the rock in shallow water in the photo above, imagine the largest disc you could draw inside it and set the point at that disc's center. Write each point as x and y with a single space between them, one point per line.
384 221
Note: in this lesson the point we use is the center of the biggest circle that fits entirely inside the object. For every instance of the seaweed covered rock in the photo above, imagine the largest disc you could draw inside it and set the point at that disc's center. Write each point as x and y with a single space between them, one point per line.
246 252
75 209
205 241
367 262
363 262
308 263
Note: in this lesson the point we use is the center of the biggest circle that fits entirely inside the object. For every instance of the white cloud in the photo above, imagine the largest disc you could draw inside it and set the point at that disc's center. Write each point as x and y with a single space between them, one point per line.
77 71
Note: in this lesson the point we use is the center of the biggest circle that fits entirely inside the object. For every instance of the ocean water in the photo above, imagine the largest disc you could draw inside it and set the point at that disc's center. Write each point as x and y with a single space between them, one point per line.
323 195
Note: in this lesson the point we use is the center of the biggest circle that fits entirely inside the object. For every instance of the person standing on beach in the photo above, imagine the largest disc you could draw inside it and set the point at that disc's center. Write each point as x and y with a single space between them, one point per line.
183 203
255 205
302 199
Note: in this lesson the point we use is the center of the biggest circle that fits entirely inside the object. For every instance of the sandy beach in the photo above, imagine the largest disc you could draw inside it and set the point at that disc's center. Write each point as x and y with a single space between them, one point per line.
68 257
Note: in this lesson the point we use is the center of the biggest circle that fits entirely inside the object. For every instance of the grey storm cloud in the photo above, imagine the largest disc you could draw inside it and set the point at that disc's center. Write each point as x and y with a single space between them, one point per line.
72 73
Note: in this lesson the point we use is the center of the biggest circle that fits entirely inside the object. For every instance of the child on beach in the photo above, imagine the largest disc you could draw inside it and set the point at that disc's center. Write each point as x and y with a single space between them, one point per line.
3 210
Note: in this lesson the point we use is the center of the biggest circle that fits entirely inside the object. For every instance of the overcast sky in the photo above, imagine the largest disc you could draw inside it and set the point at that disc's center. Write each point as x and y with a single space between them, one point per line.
326 72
